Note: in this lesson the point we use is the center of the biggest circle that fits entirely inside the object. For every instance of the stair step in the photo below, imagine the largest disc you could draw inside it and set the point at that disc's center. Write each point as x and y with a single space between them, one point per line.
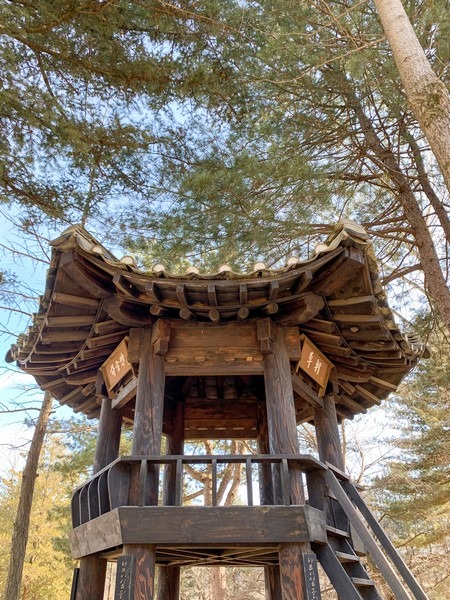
340 533
359 582
344 557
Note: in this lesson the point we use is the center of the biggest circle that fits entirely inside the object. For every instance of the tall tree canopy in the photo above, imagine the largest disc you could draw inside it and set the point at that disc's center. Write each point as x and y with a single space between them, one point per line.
222 130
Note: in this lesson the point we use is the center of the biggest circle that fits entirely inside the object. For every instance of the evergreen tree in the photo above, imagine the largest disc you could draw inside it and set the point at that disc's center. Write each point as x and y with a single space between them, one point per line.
413 498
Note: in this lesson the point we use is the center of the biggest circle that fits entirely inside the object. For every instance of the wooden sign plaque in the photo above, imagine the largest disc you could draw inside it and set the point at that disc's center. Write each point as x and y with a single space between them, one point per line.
125 578
314 363
311 577
116 366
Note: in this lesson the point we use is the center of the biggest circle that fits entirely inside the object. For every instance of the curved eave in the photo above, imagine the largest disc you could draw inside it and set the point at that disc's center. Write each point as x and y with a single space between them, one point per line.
92 299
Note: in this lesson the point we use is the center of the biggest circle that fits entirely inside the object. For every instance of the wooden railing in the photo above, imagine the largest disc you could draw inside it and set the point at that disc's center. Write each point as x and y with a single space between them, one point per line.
137 481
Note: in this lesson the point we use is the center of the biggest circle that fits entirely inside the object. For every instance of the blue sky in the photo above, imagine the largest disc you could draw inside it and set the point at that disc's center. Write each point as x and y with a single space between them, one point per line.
18 391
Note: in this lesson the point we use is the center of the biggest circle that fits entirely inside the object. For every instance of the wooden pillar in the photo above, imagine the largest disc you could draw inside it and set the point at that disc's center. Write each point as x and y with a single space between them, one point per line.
327 433
108 440
169 577
91 578
147 434
330 450
282 429
271 574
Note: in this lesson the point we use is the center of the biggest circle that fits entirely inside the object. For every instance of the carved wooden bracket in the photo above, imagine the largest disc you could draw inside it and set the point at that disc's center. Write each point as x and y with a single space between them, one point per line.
161 337
267 334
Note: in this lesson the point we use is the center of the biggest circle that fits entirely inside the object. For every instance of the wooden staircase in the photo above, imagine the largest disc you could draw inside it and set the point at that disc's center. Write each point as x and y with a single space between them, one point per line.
344 568
340 558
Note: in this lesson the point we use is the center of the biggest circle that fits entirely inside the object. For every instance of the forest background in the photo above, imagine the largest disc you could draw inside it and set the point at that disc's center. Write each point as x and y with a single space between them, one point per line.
209 132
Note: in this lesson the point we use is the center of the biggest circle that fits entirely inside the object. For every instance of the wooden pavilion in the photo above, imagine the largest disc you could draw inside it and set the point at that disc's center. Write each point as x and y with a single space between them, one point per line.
221 356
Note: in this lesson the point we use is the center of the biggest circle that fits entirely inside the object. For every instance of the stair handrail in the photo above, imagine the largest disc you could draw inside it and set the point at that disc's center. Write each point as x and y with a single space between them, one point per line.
384 540
348 497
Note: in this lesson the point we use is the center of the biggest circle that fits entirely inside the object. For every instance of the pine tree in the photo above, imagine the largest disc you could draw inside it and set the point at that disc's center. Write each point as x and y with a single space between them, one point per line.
413 498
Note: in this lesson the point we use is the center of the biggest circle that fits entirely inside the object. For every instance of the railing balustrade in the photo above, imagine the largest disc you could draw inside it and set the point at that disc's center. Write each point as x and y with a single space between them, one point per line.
136 481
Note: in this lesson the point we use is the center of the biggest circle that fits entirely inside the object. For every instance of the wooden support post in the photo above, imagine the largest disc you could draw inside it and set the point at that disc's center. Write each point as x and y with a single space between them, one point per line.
147 434
108 439
91 578
330 450
271 574
327 433
169 577
282 430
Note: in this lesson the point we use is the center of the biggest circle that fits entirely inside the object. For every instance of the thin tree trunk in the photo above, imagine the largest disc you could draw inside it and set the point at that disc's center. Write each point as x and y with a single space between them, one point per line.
426 93
22 520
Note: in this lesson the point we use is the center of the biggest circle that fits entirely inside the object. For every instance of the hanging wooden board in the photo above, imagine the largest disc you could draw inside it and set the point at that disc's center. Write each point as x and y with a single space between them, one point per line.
125 578
311 577
116 366
314 363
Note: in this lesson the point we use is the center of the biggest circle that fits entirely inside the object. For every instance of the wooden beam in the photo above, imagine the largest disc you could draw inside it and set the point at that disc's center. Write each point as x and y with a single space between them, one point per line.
120 311
306 308
212 296
158 311
305 391
214 315
220 525
125 286
303 282
70 321
357 319
243 313
353 375
320 325
181 294
152 290
48 337
350 302
367 334
274 289
385 385
186 314
270 309
85 275
327 339
351 404
345 268
367 395
105 340
125 394
243 294
161 337
266 334
75 301
107 327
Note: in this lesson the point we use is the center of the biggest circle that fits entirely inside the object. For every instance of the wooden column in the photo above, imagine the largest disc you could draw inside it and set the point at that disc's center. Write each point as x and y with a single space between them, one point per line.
169 577
327 433
330 450
271 574
91 579
108 440
283 440
147 434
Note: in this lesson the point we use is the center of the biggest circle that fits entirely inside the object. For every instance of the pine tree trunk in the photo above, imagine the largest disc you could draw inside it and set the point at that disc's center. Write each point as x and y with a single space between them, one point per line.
22 520
427 95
